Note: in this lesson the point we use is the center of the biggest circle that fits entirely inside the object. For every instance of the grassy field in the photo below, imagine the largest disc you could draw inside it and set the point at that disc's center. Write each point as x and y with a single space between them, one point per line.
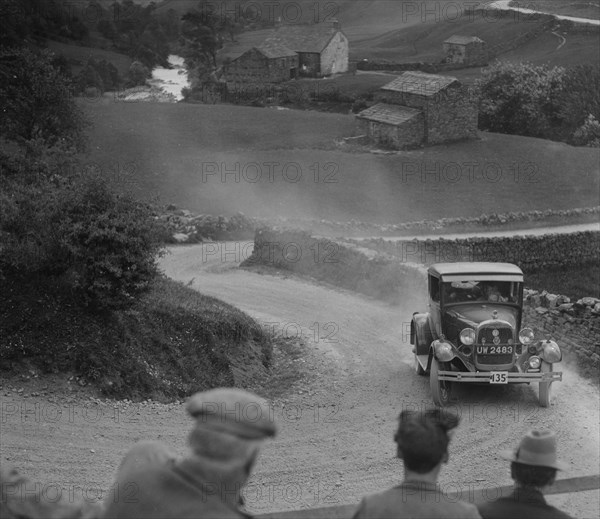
266 163
581 9
422 41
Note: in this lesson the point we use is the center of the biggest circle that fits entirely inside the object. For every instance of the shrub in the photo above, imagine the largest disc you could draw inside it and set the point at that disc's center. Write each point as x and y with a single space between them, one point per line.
520 99
37 103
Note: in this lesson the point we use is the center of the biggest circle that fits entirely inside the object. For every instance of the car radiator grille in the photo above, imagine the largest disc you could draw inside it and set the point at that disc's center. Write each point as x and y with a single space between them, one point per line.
485 342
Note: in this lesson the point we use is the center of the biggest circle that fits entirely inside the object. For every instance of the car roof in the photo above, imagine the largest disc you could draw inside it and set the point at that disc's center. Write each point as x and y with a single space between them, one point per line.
476 268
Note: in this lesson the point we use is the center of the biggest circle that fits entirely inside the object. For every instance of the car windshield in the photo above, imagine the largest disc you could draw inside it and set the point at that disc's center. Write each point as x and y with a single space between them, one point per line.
468 291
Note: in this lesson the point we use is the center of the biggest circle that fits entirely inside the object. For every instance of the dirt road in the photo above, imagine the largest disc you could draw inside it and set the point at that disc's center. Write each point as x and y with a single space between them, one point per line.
335 441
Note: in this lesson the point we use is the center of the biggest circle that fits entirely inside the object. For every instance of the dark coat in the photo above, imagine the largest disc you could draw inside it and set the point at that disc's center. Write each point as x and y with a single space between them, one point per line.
415 500
525 504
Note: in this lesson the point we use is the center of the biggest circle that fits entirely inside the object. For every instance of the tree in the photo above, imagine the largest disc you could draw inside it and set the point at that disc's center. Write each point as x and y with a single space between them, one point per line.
137 75
55 222
580 97
36 100
200 33
521 99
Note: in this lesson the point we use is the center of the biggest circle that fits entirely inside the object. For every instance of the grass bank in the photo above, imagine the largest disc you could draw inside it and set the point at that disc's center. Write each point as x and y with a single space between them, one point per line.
171 343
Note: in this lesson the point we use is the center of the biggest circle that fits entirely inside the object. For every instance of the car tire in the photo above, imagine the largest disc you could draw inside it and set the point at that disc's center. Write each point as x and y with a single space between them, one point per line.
420 371
441 390
544 389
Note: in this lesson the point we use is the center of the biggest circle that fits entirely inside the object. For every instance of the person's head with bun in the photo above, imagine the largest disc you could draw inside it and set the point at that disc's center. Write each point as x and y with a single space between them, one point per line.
423 438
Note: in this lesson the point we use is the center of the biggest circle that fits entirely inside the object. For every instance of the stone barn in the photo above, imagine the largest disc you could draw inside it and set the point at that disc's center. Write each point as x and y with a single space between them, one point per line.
448 111
322 48
268 63
392 126
465 50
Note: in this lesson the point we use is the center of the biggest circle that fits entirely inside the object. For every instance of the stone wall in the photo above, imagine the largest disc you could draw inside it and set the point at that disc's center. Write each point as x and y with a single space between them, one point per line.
528 252
309 63
406 135
334 58
451 116
253 67
575 326
342 264
471 54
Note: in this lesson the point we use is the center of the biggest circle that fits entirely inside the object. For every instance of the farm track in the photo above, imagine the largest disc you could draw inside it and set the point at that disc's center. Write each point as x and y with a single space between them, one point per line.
335 439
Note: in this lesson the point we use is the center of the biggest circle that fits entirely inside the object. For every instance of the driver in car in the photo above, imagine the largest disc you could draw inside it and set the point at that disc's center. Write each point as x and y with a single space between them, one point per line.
492 294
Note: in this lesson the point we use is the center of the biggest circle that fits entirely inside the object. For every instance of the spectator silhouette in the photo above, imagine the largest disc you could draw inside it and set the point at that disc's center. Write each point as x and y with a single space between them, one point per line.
533 467
152 483
23 498
422 440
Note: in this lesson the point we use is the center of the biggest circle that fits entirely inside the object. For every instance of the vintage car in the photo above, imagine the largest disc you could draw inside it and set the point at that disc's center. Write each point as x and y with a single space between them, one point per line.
472 332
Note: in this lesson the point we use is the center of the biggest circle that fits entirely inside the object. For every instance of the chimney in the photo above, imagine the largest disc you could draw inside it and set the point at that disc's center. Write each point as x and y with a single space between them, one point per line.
335 24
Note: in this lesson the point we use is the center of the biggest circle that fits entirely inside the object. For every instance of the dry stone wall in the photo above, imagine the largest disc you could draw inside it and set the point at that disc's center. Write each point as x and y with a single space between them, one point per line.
528 252
342 264
575 326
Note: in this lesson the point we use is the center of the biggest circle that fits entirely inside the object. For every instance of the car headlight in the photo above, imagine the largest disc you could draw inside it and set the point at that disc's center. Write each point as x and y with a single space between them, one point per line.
526 336
550 352
443 351
467 336
535 362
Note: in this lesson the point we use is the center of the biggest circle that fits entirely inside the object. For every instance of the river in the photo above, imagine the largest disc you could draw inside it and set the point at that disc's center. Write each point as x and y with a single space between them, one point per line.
171 80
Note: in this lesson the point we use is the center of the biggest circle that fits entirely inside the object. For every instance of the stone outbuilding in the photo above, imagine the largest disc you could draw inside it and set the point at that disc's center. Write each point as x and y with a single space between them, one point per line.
309 50
393 126
420 109
322 48
268 63
465 50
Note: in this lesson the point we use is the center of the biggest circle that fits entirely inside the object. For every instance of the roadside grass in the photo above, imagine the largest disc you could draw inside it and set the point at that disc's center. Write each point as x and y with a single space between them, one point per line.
188 155
575 282
171 343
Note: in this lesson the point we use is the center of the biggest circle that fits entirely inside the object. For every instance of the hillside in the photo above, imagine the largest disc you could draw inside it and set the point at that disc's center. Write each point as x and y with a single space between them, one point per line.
422 41
265 162
171 343
78 56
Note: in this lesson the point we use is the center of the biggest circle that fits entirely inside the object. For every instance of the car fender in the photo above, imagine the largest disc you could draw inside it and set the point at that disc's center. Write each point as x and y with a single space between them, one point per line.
419 329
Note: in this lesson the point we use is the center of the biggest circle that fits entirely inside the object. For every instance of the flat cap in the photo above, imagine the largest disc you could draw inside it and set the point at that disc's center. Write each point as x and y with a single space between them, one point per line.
233 411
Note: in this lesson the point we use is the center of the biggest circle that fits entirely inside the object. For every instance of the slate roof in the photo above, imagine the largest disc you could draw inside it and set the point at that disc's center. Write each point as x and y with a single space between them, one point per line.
303 38
463 40
390 114
274 50
419 83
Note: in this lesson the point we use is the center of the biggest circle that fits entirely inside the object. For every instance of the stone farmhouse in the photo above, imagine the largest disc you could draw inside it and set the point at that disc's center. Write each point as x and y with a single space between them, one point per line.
292 51
418 109
465 50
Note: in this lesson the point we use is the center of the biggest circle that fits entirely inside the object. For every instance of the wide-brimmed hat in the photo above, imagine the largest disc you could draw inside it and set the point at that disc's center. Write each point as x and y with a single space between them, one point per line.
537 448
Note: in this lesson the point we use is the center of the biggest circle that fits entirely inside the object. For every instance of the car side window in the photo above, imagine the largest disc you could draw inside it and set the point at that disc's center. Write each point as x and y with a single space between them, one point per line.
434 289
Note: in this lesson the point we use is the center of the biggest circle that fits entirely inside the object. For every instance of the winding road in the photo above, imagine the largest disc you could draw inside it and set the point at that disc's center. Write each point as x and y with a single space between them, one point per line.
335 442
335 430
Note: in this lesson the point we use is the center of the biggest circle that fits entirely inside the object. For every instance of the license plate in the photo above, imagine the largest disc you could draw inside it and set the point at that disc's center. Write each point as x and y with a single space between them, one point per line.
498 377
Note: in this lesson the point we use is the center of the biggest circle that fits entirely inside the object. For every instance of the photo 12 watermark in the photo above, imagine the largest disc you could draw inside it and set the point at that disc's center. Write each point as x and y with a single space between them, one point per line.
253 172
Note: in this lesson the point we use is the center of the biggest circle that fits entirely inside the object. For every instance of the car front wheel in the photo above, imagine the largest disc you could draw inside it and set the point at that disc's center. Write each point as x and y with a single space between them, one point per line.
544 389
441 390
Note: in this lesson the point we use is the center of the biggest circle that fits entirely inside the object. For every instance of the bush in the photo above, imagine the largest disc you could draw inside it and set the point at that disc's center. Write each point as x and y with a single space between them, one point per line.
588 134
102 246
137 75
37 103
520 99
